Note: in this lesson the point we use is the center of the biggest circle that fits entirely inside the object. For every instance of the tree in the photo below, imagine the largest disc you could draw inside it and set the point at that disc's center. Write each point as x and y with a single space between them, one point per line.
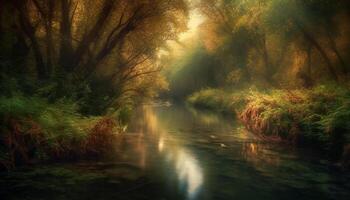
262 37
315 22
241 24
78 42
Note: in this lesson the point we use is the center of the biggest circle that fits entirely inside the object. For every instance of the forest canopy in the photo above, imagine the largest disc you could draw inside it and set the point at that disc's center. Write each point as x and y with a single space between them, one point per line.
269 39
95 52
73 70
272 43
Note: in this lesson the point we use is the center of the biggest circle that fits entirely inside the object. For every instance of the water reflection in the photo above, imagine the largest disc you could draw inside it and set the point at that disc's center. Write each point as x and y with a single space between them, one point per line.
170 153
208 118
260 156
189 173
181 161
200 155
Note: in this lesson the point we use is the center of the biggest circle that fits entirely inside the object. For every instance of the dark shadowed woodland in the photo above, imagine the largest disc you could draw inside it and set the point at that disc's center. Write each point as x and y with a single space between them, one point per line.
175 99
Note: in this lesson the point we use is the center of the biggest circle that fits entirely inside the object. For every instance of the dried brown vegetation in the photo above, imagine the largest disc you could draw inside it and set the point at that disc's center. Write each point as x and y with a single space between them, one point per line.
315 117
51 133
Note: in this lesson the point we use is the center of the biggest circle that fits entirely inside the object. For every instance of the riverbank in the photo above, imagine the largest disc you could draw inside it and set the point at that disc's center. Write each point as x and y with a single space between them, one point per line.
171 152
317 118
35 131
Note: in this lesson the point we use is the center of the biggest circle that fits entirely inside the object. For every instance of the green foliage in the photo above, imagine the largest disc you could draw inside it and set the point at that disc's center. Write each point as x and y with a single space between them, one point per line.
123 114
33 129
210 99
315 117
272 42
196 70
21 106
217 99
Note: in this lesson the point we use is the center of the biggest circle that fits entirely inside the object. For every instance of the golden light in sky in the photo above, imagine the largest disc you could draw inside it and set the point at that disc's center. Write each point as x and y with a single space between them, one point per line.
186 39
195 20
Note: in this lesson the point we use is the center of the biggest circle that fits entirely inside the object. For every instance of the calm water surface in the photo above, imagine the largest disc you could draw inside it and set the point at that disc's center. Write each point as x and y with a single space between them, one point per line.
180 153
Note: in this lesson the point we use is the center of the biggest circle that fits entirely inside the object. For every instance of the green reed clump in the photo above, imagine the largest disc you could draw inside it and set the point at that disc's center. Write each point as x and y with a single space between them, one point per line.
318 117
33 129
217 99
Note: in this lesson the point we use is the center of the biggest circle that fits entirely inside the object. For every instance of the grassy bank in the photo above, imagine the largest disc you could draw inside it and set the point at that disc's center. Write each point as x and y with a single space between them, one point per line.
218 100
317 117
34 130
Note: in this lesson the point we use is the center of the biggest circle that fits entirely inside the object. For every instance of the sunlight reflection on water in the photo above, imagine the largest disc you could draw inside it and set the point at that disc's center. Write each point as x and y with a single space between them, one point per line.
201 155
189 173
186 167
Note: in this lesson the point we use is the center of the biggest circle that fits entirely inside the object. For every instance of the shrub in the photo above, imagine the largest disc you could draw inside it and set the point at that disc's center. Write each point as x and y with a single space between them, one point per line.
317 117
33 129
217 99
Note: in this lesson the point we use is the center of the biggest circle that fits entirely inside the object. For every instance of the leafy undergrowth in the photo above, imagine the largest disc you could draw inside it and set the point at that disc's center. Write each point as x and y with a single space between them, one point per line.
34 130
318 117
216 99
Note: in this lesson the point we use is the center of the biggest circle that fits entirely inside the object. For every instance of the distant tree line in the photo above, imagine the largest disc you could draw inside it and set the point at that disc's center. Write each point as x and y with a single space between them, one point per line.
279 42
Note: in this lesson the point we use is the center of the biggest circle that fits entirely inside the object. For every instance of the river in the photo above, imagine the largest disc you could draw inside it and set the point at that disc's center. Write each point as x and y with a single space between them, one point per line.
175 152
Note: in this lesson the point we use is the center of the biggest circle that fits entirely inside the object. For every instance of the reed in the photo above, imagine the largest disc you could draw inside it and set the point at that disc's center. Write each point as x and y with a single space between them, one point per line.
33 130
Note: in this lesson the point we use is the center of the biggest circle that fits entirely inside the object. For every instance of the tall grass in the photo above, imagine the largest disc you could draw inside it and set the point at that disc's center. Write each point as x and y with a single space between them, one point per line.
216 99
301 116
33 129
318 117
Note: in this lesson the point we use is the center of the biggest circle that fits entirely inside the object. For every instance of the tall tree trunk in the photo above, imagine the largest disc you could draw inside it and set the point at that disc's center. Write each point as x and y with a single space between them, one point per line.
269 72
334 48
309 61
115 40
66 47
323 53
1 17
29 31
49 40
308 82
281 57
94 33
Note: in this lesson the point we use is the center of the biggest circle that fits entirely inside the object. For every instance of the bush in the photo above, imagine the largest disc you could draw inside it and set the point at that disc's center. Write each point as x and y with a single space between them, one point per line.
217 99
317 117
33 129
